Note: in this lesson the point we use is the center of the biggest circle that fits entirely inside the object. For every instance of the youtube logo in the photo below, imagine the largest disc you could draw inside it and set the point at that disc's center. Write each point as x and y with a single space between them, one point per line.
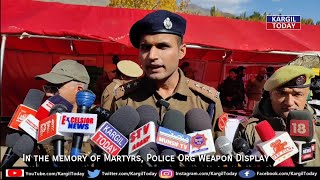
14 172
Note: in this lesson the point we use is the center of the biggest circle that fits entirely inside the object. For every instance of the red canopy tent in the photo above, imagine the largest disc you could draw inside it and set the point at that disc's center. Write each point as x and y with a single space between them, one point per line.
36 35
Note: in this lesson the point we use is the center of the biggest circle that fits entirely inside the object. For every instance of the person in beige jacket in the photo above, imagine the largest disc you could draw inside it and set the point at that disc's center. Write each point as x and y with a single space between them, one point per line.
126 71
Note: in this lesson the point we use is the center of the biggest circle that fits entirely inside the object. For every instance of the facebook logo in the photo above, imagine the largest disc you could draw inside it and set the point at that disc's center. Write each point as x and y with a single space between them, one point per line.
246 173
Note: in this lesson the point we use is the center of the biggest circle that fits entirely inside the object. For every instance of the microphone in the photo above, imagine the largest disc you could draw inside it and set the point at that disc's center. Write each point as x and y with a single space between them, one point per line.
111 136
146 132
224 146
301 130
30 104
58 141
300 125
147 113
199 124
171 134
149 149
278 145
11 140
44 109
84 99
149 116
24 145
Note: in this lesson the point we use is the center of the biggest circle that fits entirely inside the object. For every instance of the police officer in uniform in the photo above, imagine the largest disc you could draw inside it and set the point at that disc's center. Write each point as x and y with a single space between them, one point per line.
126 71
159 38
288 90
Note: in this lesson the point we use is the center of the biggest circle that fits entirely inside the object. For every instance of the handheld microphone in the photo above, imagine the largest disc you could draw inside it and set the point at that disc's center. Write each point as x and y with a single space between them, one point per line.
199 124
11 140
171 134
300 125
301 130
147 150
44 109
30 104
278 145
111 136
146 131
58 141
84 99
224 146
24 145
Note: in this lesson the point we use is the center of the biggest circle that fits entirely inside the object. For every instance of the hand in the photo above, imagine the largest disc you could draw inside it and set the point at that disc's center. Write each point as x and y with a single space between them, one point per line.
229 98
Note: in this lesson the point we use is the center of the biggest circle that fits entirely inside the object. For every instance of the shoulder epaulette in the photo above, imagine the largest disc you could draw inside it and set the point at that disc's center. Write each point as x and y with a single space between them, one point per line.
249 121
203 89
126 88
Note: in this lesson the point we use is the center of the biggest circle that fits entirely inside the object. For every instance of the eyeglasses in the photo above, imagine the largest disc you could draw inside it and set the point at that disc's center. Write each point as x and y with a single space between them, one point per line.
52 88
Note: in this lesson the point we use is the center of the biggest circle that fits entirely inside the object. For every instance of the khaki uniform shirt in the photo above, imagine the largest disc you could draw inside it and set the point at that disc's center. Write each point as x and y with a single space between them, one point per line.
188 94
108 93
278 124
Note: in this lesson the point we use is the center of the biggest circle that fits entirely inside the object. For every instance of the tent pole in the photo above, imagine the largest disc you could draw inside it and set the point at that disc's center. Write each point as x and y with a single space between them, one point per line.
3 44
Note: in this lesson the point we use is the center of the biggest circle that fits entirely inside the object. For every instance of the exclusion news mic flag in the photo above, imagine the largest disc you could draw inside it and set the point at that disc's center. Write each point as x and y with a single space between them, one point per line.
276 144
141 137
30 105
109 139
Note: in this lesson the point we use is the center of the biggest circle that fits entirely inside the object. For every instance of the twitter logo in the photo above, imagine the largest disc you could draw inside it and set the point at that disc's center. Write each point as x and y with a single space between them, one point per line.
93 174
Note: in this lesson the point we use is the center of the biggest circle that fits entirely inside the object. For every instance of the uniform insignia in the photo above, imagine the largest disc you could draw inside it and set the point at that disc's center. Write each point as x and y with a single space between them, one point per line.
167 23
222 122
203 89
301 80
198 141
126 88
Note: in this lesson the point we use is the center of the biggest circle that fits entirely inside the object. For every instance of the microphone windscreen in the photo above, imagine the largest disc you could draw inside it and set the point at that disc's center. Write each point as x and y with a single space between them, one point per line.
223 145
57 99
147 113
197 120
58 108
125 120
24 145
168 152
300 125
150 148
174 120
240 145
11 139
34 98
265 131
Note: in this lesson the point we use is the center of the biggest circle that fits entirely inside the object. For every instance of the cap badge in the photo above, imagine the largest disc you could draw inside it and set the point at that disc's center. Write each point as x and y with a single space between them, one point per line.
167 23
300 80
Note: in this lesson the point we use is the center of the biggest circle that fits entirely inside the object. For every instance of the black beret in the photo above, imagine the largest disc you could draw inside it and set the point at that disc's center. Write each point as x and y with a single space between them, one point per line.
160 21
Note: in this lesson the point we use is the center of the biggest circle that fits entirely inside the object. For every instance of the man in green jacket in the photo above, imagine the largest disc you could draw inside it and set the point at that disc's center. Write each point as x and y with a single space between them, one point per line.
288 90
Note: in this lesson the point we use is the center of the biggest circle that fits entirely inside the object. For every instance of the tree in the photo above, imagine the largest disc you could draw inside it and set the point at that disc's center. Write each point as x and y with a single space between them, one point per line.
318 23
169 5
306 21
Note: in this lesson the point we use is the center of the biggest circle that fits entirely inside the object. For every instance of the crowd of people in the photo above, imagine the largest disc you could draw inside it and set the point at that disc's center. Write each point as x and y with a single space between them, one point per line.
159 38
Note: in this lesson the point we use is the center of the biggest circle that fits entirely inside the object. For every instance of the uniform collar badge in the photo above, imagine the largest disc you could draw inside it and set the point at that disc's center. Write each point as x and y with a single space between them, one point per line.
167 23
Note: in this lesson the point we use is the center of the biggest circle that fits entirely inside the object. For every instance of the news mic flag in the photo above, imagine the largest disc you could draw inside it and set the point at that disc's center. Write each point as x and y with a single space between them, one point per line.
300 125
44 109
30 104
278 145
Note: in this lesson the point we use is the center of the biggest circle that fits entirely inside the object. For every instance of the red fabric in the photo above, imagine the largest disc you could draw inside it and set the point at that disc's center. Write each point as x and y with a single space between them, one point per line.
113 25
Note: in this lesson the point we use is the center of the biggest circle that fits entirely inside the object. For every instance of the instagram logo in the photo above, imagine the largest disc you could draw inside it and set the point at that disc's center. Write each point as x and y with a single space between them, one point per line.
166 173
